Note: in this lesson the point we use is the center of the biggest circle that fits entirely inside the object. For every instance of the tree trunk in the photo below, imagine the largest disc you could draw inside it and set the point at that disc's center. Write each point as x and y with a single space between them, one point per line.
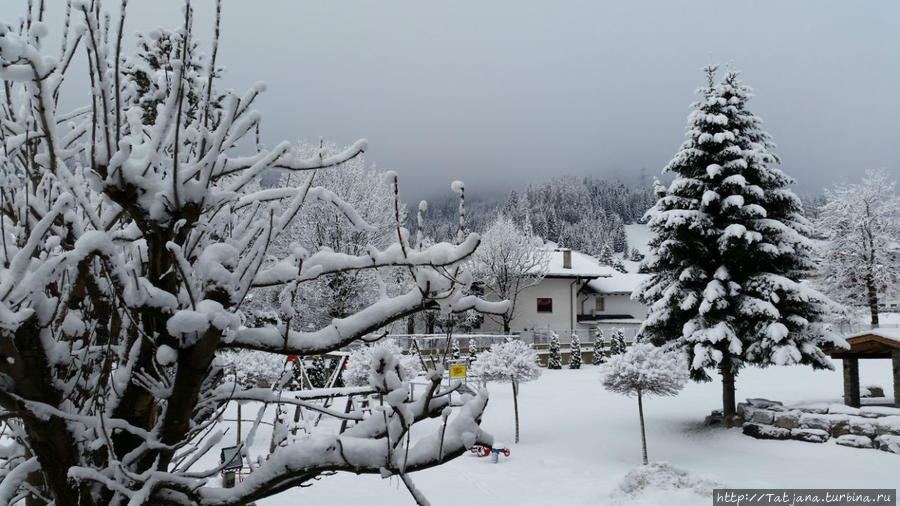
728 407
411 324
873 299
515 388
643 433
506 328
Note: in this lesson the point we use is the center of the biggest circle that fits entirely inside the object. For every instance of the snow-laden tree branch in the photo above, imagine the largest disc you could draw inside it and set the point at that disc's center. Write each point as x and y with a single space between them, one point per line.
135 235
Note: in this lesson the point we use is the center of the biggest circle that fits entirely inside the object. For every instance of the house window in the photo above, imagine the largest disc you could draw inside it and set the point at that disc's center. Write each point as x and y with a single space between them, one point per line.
544 305
600 304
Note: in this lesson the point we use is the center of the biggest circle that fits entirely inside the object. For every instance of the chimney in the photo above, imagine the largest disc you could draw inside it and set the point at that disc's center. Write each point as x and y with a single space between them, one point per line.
567 259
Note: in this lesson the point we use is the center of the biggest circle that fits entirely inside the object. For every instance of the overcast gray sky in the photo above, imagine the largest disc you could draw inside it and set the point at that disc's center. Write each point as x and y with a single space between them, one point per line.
502 93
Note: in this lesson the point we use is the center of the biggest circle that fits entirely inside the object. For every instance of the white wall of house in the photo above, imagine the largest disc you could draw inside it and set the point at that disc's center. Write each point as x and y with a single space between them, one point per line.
527 317
615 304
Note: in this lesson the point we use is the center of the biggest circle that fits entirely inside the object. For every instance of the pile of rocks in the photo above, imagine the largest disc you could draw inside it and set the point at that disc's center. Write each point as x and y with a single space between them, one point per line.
867 427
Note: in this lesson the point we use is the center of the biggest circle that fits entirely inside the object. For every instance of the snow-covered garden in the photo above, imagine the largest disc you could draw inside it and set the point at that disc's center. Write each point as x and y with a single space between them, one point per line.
579 443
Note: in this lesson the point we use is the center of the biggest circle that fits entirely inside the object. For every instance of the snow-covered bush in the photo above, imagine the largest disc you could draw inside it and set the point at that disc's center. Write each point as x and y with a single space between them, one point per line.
645 370
599 356
617 344
253 368
360 363
131 246
575 352
730 250
512 361
318 372
554 359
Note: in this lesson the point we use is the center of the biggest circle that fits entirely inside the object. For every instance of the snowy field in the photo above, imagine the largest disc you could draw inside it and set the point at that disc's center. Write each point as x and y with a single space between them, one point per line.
579 442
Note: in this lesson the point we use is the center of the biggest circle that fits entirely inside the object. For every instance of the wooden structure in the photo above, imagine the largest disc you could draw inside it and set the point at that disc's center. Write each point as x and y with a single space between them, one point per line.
874 343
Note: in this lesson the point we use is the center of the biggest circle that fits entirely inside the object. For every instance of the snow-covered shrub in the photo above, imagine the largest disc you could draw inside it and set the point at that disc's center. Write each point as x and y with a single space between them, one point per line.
617 344
132 245
253 368
599 356
512 361
361 362
554 359
575 352
318 372
645 370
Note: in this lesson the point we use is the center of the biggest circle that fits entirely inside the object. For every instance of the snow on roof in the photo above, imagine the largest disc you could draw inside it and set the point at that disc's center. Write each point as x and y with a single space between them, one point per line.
583 266
892 333
618 283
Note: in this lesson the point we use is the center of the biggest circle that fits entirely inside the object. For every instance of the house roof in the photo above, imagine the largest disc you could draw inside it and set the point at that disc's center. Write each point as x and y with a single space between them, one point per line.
583 265
617 283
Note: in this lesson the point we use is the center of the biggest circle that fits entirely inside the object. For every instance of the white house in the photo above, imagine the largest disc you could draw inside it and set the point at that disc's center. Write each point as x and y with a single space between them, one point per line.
577 294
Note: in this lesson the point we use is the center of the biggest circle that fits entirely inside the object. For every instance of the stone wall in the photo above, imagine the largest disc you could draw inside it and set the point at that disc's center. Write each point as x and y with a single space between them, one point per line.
866 427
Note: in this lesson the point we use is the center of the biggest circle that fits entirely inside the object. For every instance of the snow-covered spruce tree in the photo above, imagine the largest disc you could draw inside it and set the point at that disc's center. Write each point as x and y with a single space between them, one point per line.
512 361
645 370
599 356
318 372
861 259
128 253
729 249
554 359
455 352
473 351
574 352
508 261
617 344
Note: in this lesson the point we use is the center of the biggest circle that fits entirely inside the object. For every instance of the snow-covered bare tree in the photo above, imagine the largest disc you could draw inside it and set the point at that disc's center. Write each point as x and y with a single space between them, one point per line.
512 361
861 258
508 261
645 370
730 249
128 252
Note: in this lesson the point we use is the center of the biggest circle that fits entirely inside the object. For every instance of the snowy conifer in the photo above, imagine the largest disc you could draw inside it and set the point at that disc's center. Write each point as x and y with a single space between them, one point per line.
455 351
617 344
574 352
554 359
599 356
861 258
318 373
645 370
473 350
512 361
729 249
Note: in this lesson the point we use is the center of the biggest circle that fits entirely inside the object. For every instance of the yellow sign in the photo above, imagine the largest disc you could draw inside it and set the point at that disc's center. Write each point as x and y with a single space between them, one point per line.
457 371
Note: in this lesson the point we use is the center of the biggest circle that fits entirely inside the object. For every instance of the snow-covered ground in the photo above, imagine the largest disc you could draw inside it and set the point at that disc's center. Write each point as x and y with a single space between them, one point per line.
579 442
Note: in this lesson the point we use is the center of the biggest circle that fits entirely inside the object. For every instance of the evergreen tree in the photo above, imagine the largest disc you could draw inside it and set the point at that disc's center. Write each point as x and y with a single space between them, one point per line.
554 361
575 352
318 373
295 382
635 255
454 351
599 352
606 255
473 350
728 250
617 344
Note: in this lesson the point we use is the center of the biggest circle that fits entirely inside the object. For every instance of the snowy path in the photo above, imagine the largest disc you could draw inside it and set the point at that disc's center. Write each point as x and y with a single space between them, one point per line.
578 441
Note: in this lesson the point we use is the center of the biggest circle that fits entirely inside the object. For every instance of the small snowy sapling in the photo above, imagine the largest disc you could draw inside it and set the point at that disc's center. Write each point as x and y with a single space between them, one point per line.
645 370
512 361
554 360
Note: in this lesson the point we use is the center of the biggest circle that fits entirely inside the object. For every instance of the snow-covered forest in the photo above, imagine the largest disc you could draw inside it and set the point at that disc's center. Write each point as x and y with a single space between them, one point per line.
193 314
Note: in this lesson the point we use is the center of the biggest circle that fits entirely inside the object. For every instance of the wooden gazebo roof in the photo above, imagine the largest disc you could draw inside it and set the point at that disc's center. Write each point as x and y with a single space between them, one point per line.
872 343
